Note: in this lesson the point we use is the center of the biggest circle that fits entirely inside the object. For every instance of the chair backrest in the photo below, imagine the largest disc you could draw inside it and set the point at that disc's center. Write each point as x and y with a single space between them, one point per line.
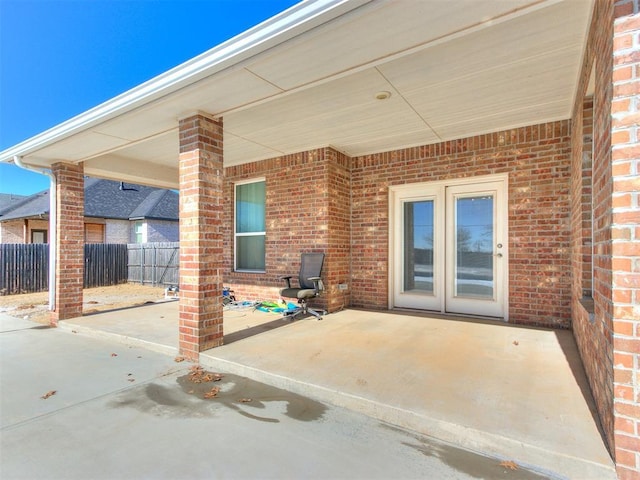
310 266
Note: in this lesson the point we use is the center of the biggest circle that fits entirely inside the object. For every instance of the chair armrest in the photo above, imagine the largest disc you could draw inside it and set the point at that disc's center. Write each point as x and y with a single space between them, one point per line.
287 279
317 284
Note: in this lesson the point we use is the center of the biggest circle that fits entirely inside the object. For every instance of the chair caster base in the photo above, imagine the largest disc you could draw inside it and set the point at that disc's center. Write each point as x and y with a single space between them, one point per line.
317 314
292 314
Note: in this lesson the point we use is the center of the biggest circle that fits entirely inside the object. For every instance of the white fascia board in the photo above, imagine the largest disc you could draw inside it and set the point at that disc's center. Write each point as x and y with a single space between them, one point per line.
292 22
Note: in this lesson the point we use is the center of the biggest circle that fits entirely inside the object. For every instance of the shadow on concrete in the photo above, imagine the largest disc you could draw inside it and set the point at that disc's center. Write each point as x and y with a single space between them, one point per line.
569 347
95 311
255 330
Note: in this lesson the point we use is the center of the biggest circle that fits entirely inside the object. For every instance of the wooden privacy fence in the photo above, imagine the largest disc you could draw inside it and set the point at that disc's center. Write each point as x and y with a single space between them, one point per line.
154 263
25 267
104 264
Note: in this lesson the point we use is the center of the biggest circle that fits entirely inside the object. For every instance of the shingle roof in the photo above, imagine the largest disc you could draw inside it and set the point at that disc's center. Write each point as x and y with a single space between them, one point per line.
106 199
32 206
8 200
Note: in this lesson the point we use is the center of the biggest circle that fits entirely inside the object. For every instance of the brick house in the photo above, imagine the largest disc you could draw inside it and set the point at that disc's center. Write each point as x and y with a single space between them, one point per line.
114 212
477 158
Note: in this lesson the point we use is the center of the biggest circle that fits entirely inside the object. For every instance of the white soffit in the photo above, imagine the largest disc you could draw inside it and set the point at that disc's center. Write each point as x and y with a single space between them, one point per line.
139 171
162 149
80 146
453 68
229 90
370 34
519 72
341 113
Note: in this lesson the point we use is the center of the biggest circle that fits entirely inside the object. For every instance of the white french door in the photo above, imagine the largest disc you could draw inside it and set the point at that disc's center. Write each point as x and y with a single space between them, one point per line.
448 247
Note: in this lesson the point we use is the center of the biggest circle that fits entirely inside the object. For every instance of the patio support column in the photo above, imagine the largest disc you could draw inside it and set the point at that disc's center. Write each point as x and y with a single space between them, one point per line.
70 241
625 234
201 215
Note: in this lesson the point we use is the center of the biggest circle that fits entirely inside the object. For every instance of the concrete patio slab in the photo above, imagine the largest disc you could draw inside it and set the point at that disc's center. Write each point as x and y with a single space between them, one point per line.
509 392
123 412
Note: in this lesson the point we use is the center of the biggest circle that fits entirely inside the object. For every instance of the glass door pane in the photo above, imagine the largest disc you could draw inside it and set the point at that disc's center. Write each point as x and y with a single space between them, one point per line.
418 247
474 232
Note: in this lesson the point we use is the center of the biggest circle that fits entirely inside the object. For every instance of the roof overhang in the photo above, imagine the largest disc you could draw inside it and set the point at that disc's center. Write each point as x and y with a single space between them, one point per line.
310 78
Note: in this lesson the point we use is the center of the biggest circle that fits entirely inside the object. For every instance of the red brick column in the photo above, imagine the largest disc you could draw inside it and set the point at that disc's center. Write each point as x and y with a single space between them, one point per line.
201 259
625 249
70 241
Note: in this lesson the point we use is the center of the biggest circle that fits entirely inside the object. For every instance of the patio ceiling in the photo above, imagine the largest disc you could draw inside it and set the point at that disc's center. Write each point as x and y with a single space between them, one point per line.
452 69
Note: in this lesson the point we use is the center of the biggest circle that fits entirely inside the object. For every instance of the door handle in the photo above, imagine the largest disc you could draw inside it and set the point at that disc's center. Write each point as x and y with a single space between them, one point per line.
499 255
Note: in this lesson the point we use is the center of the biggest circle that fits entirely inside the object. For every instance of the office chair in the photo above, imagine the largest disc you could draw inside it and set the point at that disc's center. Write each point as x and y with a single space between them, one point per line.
310 285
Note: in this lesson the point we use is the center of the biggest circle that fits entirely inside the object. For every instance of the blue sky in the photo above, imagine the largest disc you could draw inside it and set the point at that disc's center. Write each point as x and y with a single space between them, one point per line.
59 58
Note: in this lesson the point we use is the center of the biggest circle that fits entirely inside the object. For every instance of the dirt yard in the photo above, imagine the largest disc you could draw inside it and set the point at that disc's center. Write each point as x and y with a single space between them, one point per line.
34 306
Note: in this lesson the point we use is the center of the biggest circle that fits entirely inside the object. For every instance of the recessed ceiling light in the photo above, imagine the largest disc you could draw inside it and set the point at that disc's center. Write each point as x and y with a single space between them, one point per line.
383 95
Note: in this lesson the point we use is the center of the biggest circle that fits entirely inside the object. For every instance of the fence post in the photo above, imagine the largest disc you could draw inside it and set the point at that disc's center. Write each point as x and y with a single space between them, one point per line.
155 265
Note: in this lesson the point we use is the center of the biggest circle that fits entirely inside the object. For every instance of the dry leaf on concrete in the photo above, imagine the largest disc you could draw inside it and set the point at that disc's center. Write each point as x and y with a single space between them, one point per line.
179 359
199 375
245 400
114 354
196 373
509 464
212 393
48 394
516 343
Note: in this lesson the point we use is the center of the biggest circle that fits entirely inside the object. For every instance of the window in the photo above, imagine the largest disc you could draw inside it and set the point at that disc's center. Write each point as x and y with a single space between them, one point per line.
250 226
587 197
138 232
38 236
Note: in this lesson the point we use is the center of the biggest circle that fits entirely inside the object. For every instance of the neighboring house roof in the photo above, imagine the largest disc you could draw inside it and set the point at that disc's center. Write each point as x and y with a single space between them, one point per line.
106 199
32 206
9 200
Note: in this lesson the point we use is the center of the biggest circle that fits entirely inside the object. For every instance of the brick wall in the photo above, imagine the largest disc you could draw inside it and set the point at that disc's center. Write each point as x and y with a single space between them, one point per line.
307 210
338 270
592 325
608 334
625 237
200 168
70 241
308 198
117 231
536 159
12 231
162 231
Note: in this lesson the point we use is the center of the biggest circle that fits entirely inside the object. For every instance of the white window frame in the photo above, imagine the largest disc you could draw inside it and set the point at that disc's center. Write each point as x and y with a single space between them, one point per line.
143 231
246 234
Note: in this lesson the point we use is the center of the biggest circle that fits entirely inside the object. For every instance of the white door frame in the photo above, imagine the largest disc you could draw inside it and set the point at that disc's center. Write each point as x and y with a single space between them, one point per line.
407 192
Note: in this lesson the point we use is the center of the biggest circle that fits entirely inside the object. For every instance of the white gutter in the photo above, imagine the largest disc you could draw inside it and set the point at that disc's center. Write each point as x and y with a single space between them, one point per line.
53 206
292 22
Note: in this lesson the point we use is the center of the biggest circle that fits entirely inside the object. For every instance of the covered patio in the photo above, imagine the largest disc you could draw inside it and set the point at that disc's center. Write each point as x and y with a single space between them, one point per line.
361 129
513 393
